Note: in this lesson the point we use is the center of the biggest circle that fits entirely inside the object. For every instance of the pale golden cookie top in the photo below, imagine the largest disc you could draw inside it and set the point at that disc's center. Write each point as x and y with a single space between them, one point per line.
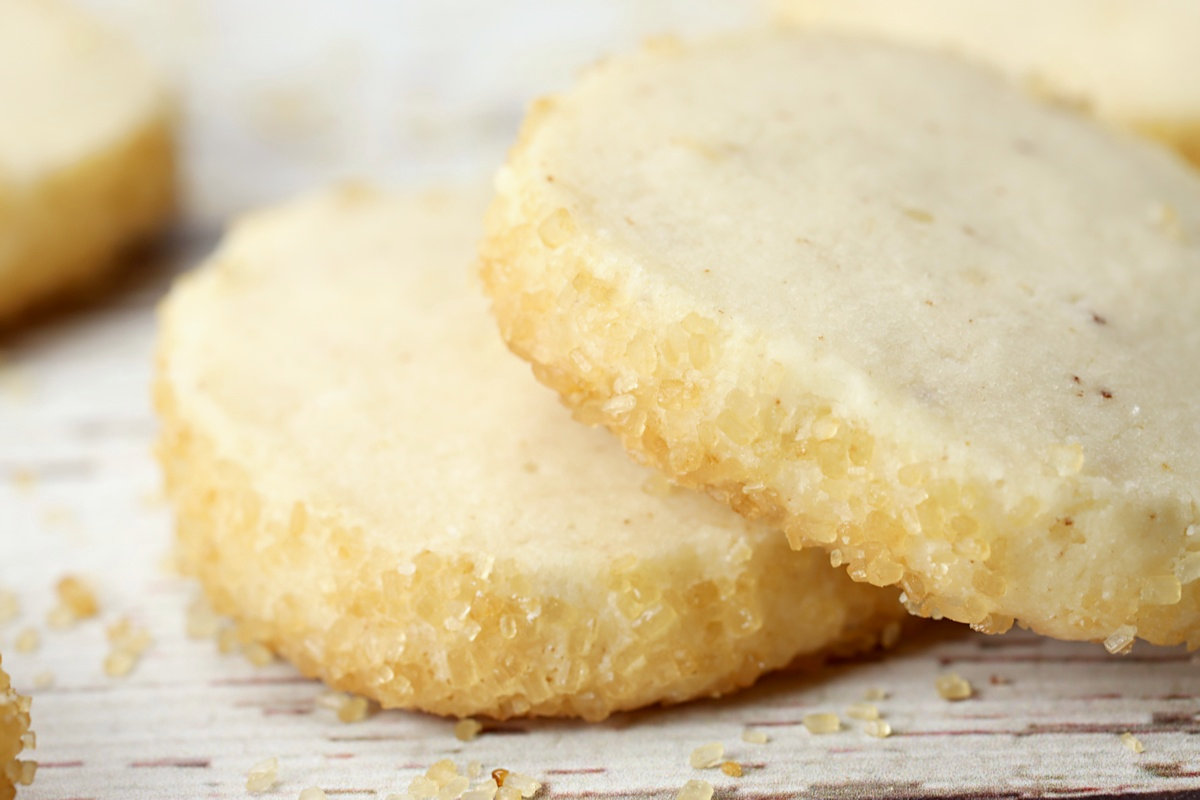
67 88
1131 59
994 276
408 416
946 330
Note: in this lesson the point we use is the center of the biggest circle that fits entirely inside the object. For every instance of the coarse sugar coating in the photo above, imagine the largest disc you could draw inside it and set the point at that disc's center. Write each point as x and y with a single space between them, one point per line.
887 302
86 148
1131 61
381 493
15 737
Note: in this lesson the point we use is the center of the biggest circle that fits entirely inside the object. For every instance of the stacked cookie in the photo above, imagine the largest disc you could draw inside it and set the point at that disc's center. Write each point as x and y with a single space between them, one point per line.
893 310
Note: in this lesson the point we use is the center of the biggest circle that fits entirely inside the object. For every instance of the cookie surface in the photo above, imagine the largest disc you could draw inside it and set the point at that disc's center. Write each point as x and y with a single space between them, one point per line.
370 482
887 302
85 148
14 738
1133 61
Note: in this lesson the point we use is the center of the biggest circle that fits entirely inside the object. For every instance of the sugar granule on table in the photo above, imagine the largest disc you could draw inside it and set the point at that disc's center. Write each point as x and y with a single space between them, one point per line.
822 723
707 755
263 775
953 686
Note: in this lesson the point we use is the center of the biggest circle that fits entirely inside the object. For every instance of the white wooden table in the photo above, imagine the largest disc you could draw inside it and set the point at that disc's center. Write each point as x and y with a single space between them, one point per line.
79 489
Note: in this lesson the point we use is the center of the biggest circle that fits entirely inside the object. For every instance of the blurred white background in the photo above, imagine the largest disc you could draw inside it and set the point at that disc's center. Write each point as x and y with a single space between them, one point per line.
279 96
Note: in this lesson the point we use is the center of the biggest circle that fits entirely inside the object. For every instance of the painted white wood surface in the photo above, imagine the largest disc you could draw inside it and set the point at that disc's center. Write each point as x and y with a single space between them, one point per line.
282 96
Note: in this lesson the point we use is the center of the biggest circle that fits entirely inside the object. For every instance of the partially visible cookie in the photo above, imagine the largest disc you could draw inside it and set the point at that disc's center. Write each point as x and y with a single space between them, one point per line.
376 489
1133 61
87 164
886 301
15 737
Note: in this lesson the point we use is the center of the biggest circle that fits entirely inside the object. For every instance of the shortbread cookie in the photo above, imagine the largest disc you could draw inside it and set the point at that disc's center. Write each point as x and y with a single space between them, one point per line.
380 492
1133 61
86 159
15 737
886 301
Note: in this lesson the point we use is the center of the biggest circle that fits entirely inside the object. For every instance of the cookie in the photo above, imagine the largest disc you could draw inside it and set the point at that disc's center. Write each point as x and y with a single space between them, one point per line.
379 491
886 301
86 160
1133 61
15 737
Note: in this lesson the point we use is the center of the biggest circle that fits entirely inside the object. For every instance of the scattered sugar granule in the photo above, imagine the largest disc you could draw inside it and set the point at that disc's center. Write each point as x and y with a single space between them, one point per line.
695 790
313 793
755 737
467 729
1132 743
1121 640
355 709
61 618
474 769
877 728
119 663
349 707
875 693
262 776
76 601
822 723
524 784
707 755
441 772
43 680
890 635
507 793
953 686
863 711
124 634
10 606
27 641
454 788
422 787
732 768
202 621
28 770
484 791
128 642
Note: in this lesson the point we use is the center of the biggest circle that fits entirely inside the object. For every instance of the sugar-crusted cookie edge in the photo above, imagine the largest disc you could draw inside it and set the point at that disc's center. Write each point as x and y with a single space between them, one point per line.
394 623
599 347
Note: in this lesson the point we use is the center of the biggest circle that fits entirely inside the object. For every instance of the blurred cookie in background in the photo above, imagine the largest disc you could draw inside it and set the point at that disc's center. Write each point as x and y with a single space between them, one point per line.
1132 61
87 161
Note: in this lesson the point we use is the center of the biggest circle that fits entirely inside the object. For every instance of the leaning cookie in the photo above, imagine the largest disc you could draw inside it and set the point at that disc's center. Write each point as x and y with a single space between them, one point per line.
1133 61
15 737
886 301
366 478
86 160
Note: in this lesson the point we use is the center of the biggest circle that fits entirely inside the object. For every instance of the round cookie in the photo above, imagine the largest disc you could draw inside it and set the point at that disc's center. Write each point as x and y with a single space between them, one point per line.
381 493
15 737
86 160
1133 61
883 300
